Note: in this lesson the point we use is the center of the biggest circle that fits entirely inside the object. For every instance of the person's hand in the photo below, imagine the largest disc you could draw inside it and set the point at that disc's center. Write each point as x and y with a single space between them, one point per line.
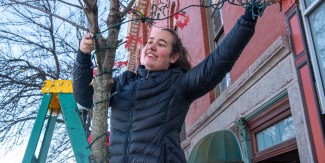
271 1
86 44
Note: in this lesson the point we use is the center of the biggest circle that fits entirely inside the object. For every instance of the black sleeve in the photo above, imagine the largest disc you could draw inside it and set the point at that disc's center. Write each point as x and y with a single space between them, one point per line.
82 77
207 74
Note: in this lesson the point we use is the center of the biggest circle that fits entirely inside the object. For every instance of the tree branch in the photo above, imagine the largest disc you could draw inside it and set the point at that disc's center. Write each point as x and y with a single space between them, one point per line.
127 8
70 4
49 13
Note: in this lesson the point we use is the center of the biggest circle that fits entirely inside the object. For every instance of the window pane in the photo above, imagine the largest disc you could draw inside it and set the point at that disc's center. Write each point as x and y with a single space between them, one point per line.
275 134
289 130
282 128
228 80
260 141
308 2
317 26
269 136
225 83
217 22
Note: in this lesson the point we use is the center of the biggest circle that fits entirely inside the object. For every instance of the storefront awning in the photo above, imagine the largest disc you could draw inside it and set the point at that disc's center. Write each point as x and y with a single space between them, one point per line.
217 147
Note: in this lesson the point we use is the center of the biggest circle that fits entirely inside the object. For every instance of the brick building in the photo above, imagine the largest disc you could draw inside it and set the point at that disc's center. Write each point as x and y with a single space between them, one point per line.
273 99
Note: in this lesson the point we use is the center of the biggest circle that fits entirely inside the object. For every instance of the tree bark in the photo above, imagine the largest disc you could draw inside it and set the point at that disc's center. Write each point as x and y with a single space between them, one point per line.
105 55
99 121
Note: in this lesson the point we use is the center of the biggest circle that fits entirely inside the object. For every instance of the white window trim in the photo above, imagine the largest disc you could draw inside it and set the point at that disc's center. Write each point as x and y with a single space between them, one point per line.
216 33
305 14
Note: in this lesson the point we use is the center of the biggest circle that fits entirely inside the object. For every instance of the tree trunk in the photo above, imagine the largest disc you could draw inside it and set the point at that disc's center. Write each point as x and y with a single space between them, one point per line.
102 87
99 121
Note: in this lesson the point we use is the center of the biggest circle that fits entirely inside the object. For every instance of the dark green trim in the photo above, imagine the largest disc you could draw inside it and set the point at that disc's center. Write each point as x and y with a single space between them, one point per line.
245 140
244 132
219 146
267 105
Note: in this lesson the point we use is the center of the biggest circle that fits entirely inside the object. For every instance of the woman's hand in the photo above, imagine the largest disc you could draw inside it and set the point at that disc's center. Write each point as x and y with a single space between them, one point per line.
86 44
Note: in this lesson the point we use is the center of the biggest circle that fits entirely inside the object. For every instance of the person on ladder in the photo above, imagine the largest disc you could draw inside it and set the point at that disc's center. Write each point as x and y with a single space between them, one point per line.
149 107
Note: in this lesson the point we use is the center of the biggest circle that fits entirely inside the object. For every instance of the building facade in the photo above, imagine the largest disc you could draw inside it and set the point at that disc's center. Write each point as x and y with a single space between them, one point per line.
273 99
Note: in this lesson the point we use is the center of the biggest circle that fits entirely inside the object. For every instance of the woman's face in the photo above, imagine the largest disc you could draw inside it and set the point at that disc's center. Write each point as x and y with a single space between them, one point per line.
157 53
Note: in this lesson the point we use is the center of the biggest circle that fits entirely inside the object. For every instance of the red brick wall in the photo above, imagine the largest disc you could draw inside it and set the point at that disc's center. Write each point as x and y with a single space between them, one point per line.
193 39
269 27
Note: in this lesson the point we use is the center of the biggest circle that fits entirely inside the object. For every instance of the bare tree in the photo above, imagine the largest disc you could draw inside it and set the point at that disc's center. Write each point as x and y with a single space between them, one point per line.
35 46
38 42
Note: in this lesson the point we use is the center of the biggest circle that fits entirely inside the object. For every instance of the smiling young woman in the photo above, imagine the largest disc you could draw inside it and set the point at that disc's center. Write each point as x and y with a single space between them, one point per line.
157 53
148 108
164 50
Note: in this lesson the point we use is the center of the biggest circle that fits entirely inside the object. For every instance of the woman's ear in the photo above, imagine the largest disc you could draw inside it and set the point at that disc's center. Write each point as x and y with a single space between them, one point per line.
174 57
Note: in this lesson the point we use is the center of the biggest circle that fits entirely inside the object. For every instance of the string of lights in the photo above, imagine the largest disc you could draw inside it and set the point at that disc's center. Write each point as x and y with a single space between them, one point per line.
257 7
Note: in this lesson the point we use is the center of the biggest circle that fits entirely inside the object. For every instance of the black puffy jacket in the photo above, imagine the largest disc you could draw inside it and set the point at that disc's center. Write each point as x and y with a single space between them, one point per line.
149 108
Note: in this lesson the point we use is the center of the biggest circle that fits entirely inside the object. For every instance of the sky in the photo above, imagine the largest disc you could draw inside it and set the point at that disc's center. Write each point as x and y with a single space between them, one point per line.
16 155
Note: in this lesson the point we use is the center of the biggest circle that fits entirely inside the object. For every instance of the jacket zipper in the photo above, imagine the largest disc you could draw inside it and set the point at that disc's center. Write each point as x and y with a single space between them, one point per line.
148 73
131 119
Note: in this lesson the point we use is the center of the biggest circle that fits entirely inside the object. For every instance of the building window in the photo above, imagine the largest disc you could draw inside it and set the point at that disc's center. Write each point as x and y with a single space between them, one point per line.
314 22
216 35
223 85
273 134
215 27
217 21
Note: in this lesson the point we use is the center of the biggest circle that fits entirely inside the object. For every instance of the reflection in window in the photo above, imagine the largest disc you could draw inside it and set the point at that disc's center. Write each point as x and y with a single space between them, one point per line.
309 2
217 23
275 134
225 83
317 26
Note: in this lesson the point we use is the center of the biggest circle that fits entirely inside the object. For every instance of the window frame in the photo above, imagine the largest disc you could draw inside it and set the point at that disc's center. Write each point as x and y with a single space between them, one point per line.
271 116
217 34
306 11
215 38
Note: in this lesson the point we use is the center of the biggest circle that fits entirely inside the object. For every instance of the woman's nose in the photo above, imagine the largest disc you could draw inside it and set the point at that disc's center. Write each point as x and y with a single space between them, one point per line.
152 47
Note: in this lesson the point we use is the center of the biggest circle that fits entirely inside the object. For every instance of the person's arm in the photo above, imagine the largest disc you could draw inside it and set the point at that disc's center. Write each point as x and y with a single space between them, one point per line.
207 74
83 74
82 77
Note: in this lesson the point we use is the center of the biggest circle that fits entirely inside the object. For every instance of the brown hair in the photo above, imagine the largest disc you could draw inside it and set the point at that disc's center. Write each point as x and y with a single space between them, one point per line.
178 47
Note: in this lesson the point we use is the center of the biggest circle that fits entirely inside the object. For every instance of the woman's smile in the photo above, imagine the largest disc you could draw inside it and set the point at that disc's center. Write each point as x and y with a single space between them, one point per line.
157 53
